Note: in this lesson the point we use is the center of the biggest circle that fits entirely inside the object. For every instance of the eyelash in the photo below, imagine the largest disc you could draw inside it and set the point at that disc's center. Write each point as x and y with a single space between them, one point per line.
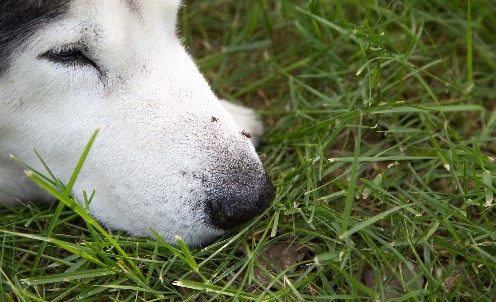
69 55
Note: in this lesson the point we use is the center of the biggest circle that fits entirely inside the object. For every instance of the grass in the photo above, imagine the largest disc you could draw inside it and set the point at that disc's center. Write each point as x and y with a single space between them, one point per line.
380 142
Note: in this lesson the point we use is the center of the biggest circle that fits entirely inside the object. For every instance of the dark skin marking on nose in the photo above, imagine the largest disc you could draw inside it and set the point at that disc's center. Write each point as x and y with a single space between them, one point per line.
214 119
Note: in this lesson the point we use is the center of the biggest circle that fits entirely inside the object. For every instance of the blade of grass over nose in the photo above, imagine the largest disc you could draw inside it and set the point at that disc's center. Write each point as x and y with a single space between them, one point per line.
80 163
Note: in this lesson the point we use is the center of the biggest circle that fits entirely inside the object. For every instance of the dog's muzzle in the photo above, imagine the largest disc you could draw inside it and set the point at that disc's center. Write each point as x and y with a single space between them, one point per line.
234 203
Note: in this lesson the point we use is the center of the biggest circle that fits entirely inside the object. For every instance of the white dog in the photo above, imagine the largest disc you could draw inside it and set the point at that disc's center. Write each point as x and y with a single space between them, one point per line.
170 156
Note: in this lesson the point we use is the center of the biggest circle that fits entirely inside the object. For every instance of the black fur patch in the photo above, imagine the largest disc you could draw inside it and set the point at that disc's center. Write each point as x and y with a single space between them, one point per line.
19 19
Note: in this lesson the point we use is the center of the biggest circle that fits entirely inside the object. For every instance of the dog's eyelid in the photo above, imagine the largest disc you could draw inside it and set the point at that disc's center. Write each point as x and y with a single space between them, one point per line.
69 54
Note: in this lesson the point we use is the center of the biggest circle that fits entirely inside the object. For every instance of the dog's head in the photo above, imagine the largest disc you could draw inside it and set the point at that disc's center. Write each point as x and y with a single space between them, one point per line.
169 156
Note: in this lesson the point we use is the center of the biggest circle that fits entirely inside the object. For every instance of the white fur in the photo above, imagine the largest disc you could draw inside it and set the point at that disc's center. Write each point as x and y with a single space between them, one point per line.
154 108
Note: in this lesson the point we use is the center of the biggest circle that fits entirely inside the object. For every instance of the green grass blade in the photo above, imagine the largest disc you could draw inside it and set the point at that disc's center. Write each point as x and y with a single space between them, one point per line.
80 163
216 289
188 257
470 64
67 277
350 197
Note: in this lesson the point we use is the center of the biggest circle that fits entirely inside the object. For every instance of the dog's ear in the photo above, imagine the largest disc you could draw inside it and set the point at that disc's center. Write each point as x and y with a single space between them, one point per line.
20 19
247 120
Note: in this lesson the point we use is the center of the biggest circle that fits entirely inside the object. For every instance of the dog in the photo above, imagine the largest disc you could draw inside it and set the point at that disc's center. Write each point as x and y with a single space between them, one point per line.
170 155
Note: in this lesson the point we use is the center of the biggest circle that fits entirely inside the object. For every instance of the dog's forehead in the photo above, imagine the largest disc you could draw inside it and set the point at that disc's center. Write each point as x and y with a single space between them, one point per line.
136 6
114 24
146 7
149 13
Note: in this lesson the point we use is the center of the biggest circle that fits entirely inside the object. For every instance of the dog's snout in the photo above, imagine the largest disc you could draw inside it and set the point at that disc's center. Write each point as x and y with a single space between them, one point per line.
236 205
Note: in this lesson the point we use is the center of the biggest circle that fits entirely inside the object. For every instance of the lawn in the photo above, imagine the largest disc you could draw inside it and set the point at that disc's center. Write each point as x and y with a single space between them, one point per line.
380 142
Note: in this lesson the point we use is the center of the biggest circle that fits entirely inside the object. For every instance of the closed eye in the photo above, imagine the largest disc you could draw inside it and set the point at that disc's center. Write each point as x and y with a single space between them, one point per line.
72 55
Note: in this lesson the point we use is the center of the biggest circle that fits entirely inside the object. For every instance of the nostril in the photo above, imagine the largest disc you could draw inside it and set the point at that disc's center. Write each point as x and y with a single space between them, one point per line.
235 207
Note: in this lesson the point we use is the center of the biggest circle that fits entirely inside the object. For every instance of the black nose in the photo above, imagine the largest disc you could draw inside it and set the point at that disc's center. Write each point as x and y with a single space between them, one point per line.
234 203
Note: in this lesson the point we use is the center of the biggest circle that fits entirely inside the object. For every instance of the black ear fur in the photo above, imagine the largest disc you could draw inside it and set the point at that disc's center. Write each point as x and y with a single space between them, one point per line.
20 19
